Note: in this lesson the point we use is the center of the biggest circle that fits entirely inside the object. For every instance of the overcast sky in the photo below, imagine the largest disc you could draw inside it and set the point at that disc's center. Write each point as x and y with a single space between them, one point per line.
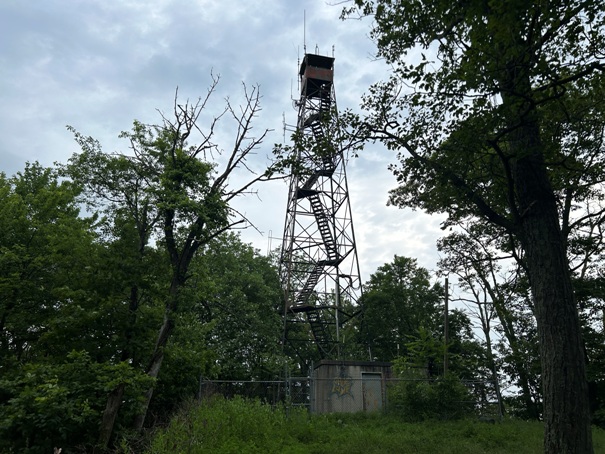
98 65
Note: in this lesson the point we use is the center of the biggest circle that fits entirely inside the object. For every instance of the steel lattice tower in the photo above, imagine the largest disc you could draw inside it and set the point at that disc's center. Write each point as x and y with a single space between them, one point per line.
318 267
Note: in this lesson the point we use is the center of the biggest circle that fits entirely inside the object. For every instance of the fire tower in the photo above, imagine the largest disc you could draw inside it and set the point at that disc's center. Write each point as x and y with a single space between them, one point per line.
318 267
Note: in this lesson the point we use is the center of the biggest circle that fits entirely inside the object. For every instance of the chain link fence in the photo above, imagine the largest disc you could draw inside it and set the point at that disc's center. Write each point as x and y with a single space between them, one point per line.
416 398
269 392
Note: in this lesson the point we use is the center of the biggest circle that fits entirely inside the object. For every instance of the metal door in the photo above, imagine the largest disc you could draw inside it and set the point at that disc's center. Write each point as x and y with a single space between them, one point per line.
371 384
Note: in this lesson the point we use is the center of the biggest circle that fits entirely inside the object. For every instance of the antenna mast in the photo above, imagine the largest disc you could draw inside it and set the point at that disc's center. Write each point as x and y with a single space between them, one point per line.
305 31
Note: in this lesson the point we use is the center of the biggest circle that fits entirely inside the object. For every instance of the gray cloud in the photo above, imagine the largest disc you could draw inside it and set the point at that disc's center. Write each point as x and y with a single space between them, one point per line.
98 65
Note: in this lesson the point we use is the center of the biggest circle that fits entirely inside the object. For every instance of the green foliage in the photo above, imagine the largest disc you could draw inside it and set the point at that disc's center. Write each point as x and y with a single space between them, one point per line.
237 290
412 328
163 202
187 359
306 152
239 426
61 291
421 399
401 290
59 404
423 353
495 111
98 287
43 245
231 426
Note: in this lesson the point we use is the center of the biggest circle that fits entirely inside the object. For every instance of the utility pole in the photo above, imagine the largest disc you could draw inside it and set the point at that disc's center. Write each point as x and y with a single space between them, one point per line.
446 335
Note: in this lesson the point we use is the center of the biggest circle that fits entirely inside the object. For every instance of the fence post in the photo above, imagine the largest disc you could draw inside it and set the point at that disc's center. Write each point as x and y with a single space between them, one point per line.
311 390
199 388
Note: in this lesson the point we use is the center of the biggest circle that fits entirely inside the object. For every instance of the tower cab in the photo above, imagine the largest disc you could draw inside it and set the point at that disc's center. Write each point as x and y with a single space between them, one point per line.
317 74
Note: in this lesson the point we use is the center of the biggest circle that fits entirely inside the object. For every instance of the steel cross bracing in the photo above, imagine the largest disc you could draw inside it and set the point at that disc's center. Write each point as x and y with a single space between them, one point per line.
319 268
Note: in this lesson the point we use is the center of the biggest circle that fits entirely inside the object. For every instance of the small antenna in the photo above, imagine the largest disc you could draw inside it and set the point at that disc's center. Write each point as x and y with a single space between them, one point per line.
269 242
298 78
283 116
305 30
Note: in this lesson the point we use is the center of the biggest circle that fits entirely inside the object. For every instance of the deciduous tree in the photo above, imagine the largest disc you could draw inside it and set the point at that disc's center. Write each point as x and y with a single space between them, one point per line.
175 186
468 116
398 300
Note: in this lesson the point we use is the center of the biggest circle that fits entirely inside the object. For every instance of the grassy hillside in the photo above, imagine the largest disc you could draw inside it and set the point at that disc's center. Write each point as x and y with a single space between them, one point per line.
238 426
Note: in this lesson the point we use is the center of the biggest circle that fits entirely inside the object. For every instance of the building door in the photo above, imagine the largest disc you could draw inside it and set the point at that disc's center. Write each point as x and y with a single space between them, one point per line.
371 384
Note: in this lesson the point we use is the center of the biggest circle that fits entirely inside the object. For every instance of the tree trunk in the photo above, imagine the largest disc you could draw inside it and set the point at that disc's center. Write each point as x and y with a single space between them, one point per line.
180 265
492 364
155 364
566 407
114 401
566 410
531 406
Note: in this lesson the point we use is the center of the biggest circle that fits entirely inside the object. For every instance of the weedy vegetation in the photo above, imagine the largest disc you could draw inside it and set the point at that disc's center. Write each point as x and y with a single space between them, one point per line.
234 426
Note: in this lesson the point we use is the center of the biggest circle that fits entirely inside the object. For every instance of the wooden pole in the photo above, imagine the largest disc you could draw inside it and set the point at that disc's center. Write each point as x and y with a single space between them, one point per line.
446 336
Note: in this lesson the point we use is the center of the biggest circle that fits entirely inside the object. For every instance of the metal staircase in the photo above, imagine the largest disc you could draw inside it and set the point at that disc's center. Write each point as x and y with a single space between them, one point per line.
323 224
318 266
322 332
304 293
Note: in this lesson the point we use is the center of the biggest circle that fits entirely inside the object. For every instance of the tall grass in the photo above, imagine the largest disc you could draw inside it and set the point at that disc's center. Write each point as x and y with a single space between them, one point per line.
238 426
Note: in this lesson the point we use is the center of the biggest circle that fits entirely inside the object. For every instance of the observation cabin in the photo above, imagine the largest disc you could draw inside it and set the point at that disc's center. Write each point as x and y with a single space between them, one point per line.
317 75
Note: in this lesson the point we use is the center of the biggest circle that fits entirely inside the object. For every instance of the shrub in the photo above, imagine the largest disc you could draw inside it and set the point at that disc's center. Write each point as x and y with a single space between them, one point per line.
234 425
47 405
442 398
